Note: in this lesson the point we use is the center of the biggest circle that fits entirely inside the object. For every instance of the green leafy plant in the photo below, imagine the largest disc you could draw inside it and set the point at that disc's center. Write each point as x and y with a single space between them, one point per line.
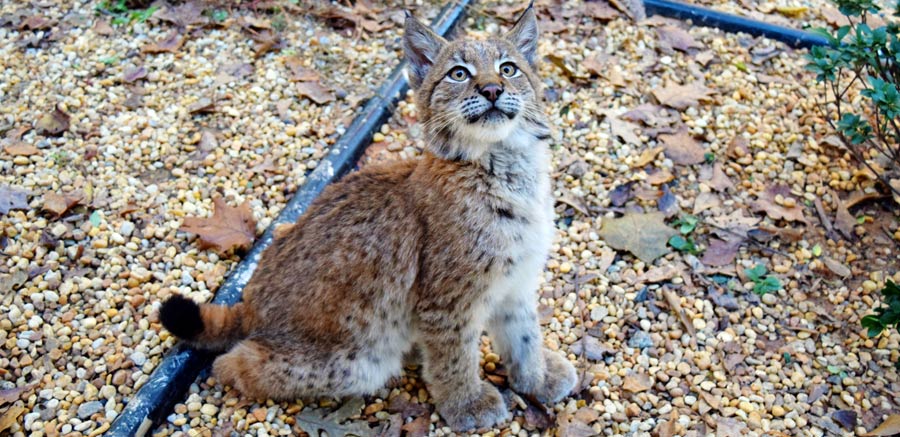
762 283
684 244
886 316
686 223
122 14
864 59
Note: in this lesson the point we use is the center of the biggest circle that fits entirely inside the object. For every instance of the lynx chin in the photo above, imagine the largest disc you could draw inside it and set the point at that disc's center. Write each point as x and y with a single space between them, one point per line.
423 254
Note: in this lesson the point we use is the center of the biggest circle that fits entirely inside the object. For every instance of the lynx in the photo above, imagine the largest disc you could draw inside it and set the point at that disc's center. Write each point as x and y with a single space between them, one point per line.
425 253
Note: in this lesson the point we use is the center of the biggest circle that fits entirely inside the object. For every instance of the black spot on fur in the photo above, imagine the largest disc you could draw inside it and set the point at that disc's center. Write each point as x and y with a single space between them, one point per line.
504 213
181 316
526 339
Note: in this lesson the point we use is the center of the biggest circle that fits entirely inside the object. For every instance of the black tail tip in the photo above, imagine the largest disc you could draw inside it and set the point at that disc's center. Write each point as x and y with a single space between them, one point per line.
181 316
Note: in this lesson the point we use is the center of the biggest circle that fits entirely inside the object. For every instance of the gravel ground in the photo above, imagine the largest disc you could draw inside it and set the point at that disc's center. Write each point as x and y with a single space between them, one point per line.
676 346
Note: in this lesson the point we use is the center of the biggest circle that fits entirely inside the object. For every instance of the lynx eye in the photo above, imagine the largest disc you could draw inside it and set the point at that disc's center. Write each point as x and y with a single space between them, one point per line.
508 69
458 74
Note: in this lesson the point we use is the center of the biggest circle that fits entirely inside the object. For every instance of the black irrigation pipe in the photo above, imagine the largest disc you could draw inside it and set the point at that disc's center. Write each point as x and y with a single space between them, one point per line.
733 23
181 366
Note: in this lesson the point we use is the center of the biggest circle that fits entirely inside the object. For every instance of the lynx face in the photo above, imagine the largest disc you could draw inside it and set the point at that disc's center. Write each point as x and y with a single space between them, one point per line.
472 94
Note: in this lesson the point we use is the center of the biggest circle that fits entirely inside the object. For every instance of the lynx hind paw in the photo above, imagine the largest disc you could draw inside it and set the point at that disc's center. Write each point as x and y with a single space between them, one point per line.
559 379
485 411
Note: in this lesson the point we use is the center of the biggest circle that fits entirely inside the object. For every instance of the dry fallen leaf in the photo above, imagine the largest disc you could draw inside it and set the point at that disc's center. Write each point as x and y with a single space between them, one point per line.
715 177
134 74
11 199
677 38
54 123
890 426
202 106
299 73
169 44
837 267
682 148
683 96
599 10
844 222
644 235
675 305
102 27
592 348
647 156
10 416
228 228
670 427
637 382
767 202
19 148
729 427
13 394
721 252
59 204
315 92
706 201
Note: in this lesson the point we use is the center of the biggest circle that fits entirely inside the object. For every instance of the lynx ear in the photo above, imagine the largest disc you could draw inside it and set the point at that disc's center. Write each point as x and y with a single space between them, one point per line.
421 46
524 34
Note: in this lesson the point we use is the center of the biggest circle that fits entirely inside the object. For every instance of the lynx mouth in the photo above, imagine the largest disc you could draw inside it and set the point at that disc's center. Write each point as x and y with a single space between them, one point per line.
493 114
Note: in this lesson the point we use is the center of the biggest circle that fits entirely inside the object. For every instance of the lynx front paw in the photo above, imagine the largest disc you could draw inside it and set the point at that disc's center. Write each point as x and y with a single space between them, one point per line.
485 410
558 381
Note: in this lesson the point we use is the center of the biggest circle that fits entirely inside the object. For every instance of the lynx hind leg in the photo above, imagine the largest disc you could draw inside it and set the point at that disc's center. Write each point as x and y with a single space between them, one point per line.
261 370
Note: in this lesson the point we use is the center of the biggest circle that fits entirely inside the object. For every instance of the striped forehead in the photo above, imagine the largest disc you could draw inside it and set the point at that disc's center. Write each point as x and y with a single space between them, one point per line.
479 53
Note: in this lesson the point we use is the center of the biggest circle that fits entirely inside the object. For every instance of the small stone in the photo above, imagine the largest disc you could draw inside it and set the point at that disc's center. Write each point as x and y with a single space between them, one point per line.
869 285
209 409
640 340
769 299
88 409
89 323
778 411
138 358
565 267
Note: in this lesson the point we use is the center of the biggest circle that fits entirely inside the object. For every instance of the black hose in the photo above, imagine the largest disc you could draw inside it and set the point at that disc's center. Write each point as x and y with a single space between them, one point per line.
181 366
732 23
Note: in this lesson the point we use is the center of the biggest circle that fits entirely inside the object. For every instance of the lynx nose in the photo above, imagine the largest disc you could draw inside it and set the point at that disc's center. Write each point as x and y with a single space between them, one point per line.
491 91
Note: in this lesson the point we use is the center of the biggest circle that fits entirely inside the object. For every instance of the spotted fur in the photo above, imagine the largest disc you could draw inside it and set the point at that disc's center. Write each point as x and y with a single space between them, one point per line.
428 253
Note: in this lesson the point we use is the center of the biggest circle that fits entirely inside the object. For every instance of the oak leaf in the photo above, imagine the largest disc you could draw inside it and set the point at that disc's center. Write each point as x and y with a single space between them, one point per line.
677 38
644 235
767 202
682 148
59 204
683 96
637 382
313 422
169 44
19 148
228 228
315 92
53 123
300 73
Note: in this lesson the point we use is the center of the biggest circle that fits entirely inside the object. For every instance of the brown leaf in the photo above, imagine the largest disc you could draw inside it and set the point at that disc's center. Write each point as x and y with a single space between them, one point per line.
816 392
186 14
670 427
418 427
587 415
237 70
660 177
266 41
833 16
10 417
644 235
675 305
837 267
13 394
228 228
677 38
59 204
569 426
890 426
659 274
134 74
706 201
683 96
682 148
715 177
637 382
843 220
647 156
599 10
170 44
19 148
315 92
102 27
536 418
54 123
208 141
624 130
36 22
11 198
407 408
721 252
299 73
766 202
729 427
649 114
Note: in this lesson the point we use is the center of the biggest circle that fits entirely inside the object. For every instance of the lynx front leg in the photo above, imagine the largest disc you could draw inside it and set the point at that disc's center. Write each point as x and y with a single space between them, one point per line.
516 336
450 352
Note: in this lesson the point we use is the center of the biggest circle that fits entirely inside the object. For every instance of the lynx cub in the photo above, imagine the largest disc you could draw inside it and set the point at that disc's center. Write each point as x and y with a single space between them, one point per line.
427 253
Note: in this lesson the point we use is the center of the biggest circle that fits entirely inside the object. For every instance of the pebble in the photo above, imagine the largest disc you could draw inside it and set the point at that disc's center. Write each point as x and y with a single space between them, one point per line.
640 340
88 409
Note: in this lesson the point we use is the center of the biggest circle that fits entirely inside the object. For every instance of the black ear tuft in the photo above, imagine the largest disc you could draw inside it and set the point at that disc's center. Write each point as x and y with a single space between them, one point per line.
421 47
181 316
524 35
